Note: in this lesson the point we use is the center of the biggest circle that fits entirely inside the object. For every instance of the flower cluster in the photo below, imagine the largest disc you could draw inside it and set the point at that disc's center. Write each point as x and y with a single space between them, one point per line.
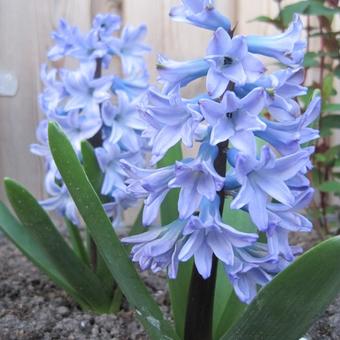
251 120
90 105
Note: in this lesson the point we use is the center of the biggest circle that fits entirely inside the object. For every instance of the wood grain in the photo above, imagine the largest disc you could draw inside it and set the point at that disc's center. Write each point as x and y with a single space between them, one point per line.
25 28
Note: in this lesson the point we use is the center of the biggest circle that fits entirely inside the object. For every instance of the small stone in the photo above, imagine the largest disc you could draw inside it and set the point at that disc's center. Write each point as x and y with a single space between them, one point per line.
63 311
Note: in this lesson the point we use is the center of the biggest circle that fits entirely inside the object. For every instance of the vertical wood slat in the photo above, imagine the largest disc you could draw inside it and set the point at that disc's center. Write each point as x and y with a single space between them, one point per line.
105 6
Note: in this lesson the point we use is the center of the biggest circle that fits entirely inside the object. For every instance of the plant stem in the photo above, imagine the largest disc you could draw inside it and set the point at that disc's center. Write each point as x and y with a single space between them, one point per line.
199 315
96 141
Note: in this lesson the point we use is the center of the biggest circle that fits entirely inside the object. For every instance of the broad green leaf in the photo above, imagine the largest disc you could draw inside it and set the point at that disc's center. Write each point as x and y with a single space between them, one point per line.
95 176
178 288
44 233
111 249
285 308
24 241
330 186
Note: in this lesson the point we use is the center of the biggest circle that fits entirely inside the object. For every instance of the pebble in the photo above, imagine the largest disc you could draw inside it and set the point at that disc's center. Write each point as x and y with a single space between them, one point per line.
63 311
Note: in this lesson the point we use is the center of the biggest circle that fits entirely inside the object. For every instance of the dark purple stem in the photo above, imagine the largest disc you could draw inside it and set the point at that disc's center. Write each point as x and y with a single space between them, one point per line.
200 307
95 141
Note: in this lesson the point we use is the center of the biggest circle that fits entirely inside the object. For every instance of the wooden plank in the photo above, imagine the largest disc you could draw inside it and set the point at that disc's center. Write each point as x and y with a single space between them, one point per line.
105 6
25 28
25 31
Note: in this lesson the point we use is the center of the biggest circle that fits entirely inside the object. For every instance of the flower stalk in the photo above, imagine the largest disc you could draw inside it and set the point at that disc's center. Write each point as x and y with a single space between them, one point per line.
199 315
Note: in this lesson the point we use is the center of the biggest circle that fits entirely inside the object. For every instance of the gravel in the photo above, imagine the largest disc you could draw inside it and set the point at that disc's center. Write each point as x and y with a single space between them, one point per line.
32 307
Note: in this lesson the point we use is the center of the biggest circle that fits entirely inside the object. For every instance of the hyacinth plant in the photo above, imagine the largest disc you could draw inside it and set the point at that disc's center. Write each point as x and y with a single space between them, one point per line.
96 105
226 213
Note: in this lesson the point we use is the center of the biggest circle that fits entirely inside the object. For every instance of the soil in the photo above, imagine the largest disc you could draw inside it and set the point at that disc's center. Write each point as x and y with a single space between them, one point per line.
32 307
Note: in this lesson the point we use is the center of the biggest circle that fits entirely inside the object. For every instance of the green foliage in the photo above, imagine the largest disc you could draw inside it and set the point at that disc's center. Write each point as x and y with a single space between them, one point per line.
307 7
63 259
324 62
330 186
109 246
24 240
285 308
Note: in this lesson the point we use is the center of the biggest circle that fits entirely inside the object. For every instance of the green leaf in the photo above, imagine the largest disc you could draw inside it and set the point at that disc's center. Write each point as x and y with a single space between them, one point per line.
95 176
274 21
330 122
233 311
91 166
178 288
332 155
44 233
227 309
24 241
285 308
76 241
317 8
223 291
169 211
327 89
288 11
330 186
330 107
311 59
238 219
111 249
306 99
310 7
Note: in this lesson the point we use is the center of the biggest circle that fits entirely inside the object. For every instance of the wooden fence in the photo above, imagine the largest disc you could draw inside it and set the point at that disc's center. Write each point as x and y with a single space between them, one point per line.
25 28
